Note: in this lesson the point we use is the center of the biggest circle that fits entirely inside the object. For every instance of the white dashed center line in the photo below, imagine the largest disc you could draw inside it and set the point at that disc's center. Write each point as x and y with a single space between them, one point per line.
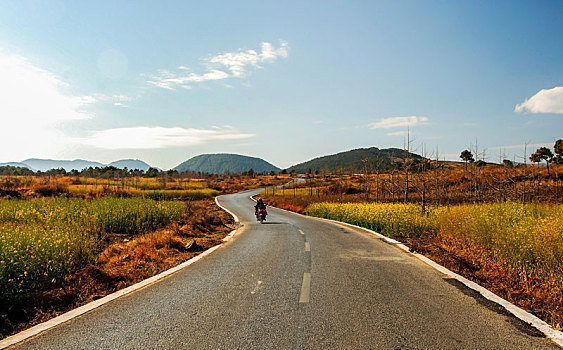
305 288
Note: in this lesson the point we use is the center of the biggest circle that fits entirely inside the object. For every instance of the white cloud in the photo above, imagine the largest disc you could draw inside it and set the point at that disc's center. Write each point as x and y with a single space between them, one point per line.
397 133
116 99
32 103
269 52
182 81
237 63
154 137
396 122
545 101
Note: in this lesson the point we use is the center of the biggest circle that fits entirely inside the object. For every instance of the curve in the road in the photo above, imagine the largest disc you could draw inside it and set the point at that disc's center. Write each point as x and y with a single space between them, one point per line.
67 316
267 288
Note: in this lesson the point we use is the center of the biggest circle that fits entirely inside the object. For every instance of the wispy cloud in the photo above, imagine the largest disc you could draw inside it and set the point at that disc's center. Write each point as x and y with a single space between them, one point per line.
237 62
397 133
183 81
219 67
154 137
397 122
545 101
33 101
22 83
116 100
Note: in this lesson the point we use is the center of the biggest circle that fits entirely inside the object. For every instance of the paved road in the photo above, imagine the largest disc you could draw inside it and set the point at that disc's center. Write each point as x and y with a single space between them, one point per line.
296 283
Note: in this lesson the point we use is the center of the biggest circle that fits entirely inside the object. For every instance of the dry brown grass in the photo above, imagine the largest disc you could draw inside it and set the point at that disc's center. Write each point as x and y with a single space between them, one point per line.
125 260
47 186
235 183
443 186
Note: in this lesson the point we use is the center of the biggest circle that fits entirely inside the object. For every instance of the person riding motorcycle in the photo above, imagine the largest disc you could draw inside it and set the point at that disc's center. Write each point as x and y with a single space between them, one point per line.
259 205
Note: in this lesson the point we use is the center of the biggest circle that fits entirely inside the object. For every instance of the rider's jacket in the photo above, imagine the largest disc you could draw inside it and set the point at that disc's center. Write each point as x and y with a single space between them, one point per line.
259 205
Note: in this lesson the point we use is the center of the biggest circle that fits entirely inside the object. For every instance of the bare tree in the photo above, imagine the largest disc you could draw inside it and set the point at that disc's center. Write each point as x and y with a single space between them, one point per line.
367 166
423 175
407 164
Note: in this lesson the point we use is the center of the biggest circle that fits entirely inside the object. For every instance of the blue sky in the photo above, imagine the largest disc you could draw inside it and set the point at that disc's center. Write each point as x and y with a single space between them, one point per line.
285 81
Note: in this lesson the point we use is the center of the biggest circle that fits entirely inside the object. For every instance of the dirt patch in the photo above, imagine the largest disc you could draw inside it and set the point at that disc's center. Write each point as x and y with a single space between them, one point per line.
285 205
125 260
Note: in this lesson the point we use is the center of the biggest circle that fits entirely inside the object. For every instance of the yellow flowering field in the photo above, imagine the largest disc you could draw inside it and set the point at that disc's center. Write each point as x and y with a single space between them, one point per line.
158 194
43 239
386 218
528 237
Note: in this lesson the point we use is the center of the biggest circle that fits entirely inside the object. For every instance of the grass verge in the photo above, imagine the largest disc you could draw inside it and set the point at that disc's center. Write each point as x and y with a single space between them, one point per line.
514 250
117 255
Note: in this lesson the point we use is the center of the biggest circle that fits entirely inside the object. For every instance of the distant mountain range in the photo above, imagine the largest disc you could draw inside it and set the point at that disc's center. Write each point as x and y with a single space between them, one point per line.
226 163
18 165
353 160
222 163
78 164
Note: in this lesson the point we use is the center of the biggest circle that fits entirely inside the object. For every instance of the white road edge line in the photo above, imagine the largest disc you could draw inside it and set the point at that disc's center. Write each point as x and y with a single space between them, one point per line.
551 333
67 316
307 247
225 209
305 288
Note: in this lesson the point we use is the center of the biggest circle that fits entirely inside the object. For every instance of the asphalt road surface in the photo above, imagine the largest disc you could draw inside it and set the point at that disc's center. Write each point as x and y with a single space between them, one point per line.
297 283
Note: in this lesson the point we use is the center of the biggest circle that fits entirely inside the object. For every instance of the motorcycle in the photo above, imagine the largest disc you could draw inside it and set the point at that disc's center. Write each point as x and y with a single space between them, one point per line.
261 215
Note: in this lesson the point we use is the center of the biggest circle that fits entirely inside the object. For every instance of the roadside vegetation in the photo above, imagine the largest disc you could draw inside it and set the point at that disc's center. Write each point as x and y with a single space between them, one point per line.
70 238
514 249
43 239
526 237
500 225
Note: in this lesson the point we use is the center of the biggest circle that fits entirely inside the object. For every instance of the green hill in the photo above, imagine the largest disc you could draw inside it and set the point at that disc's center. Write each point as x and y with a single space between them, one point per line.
354 160
225 163
130 164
